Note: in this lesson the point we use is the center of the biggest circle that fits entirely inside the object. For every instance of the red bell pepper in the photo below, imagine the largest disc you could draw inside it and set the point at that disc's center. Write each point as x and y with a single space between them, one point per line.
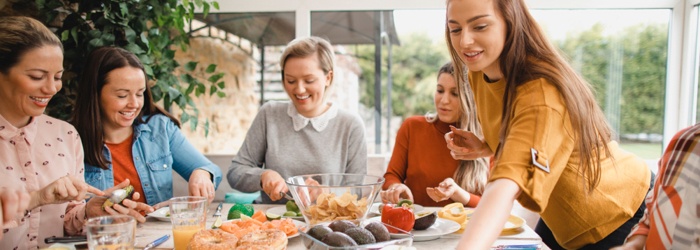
398 216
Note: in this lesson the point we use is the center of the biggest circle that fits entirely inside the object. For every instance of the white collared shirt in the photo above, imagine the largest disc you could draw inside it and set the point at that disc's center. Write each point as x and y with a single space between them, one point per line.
319 123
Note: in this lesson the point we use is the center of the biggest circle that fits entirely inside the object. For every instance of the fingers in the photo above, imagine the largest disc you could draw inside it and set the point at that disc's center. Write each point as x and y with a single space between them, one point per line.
395 193
121 185
11 206
162 204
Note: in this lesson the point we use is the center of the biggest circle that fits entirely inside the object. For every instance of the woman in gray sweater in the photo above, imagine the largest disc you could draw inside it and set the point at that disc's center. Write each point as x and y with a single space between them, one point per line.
307 135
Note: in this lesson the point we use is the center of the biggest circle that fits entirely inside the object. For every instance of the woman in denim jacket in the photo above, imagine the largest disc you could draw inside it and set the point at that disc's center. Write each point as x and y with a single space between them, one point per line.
127 137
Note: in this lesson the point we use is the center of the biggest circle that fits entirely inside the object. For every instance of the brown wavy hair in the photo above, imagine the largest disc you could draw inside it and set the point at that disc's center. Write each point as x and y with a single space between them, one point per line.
528 55
18 35
87 117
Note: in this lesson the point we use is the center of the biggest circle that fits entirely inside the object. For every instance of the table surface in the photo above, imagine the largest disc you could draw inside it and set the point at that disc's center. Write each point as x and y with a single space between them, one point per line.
153 229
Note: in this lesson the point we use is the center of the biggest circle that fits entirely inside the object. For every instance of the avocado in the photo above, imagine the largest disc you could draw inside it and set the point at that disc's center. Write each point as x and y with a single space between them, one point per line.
338 239
341 225
360 235
378 230
425 220
319 231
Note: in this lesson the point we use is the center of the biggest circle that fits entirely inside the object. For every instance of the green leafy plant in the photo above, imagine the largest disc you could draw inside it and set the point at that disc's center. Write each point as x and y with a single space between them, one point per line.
151 29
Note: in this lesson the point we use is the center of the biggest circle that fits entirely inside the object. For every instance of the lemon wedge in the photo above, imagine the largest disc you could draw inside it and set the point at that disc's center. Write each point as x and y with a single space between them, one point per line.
217 223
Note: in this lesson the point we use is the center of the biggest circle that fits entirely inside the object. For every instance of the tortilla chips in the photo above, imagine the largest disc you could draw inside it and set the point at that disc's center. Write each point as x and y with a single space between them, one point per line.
330 207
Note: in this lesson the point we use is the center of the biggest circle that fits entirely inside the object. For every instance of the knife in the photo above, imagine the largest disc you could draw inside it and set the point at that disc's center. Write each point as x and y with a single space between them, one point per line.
157 242
68 239
218 209
217 214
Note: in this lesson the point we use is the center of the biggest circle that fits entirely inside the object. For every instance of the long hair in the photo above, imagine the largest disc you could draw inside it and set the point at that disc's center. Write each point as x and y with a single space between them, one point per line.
18 35
87 117
528 55
471 175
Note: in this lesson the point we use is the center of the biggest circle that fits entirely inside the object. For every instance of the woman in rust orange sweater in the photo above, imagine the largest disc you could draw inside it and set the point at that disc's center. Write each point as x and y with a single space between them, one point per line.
421 168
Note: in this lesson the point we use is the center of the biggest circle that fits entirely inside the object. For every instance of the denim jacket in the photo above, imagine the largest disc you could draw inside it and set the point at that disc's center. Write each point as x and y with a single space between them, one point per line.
159 147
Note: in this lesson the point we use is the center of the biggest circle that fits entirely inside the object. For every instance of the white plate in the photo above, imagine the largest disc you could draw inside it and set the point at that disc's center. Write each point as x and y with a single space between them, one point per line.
437 230
162 214
298 224
374 209
279 210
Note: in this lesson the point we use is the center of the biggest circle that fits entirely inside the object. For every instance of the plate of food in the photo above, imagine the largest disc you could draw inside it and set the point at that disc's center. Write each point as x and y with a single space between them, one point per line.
512 226
162 214
435 231
240 227
374 209
284 212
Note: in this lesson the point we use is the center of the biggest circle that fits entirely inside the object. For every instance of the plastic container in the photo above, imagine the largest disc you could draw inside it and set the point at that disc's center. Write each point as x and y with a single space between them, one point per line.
327 197
240 197
402 238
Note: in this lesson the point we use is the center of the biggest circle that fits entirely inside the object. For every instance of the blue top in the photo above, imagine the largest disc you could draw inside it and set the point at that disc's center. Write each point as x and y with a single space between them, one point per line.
158 146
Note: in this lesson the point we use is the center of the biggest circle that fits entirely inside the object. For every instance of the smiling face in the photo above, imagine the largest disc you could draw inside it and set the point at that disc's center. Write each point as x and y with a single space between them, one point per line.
447 99
121 98
28 86
305 83
477 34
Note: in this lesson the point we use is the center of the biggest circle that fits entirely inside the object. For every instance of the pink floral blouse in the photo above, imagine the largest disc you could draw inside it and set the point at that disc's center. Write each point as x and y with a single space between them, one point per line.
32 157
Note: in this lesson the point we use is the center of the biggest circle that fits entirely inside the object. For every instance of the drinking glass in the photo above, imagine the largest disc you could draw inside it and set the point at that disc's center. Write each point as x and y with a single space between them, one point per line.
112 232
188 215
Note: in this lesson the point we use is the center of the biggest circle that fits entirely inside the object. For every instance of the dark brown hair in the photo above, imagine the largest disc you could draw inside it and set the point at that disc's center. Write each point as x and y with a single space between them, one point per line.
87 115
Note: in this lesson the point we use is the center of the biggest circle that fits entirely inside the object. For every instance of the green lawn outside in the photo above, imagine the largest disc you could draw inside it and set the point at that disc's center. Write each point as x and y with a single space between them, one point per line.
647 151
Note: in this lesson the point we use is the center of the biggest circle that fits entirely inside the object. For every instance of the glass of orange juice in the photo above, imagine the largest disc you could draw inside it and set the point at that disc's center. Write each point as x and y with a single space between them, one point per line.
188 215
111 232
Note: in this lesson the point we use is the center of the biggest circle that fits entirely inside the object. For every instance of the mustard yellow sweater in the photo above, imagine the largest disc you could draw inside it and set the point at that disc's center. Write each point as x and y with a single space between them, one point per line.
541 121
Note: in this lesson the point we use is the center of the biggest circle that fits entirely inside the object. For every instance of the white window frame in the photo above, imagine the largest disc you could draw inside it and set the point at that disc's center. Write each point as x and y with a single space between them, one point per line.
680 100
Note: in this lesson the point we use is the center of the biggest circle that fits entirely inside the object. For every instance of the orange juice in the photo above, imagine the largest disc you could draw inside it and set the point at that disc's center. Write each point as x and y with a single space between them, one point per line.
183 235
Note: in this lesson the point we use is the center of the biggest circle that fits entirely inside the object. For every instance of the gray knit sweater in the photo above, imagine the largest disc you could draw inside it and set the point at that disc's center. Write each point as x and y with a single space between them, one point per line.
272 143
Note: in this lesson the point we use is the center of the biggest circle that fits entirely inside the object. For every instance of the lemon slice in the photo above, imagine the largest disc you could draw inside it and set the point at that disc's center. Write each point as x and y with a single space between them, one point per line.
217 223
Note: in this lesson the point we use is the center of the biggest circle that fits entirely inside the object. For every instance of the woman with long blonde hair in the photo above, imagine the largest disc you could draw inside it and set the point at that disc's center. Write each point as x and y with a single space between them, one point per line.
421 168
552 146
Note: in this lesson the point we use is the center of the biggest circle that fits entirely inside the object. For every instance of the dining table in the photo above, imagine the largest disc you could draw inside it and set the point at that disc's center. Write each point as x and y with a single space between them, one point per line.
153 229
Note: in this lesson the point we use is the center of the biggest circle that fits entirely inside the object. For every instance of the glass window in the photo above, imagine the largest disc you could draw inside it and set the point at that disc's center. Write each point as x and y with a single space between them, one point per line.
623 55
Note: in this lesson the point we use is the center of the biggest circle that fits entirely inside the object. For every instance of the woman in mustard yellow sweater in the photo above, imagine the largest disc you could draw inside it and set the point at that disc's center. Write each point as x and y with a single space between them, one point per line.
551 144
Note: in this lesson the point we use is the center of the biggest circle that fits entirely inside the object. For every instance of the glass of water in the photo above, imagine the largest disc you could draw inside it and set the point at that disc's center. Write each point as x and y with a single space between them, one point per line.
112 232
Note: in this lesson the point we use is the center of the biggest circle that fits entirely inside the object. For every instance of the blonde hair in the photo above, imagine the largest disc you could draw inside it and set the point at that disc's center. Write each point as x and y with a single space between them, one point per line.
528 55
306 46
18 35
471 175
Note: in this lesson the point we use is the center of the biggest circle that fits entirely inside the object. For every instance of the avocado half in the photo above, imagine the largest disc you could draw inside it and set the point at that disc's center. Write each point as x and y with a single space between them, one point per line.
425 220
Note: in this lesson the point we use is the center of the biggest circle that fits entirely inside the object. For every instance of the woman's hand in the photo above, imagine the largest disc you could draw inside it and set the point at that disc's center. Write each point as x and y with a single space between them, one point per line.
65 189
127 206
443 191
464 145
200 184
395 193
13 204
633 243
273 184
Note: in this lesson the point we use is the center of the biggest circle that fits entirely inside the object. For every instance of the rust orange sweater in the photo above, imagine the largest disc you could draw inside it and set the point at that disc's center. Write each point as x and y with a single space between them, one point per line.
421 159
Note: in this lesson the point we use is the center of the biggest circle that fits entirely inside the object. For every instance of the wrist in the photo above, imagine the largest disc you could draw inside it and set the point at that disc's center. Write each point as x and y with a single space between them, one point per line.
35 200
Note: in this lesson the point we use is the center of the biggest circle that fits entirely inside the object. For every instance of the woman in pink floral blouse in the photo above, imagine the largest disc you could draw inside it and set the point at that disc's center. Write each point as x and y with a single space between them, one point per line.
40 154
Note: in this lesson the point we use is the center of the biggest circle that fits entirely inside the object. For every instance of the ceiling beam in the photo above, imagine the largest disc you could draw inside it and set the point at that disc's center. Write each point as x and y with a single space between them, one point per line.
233 6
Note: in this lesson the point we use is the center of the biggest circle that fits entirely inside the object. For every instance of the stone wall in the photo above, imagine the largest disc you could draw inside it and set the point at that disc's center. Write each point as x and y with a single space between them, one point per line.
229 117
